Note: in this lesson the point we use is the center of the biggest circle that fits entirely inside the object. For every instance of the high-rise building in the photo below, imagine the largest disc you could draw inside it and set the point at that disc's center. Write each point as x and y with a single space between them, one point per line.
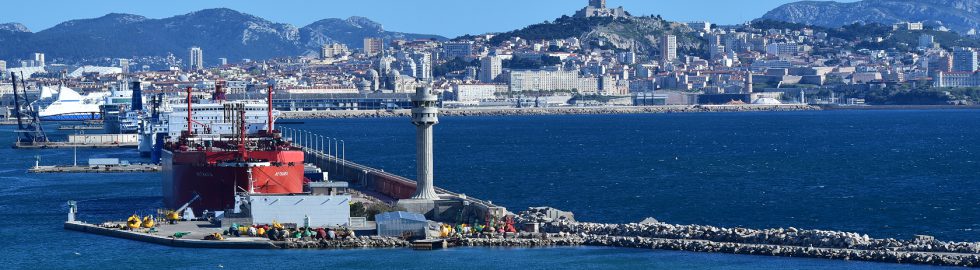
123 64
3 65
223 61
965 59
628 58
490 68
39 59
668 48
373 46
196 58
423 65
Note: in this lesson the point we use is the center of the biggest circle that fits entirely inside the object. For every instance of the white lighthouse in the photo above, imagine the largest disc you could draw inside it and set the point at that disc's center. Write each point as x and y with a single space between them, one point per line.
425 114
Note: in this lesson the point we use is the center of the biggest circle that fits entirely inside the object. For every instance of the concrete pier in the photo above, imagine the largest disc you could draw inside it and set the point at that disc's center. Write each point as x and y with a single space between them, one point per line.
87 141
42 145
163 234
133 168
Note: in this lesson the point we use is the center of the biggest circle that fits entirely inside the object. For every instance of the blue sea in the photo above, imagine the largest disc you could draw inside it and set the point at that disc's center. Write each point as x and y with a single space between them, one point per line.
883 173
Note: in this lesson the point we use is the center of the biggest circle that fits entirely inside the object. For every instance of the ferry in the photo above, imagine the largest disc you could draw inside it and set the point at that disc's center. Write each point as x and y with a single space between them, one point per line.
71 106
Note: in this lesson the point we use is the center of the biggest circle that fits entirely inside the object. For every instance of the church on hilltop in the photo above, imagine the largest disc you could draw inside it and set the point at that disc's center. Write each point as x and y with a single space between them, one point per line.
597 8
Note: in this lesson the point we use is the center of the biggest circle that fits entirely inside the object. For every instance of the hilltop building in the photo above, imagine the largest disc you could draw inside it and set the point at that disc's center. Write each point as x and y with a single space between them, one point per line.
597 8
908 26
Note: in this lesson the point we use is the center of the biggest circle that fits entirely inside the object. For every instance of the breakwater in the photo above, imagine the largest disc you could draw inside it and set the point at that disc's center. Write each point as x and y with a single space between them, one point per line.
548 111
783 242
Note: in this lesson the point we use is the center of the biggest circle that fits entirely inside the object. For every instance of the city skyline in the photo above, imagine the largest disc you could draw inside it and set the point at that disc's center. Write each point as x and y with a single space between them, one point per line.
414 16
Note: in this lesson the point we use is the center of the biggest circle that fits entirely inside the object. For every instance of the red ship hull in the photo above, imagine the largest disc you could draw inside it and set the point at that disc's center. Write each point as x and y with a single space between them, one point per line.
215 177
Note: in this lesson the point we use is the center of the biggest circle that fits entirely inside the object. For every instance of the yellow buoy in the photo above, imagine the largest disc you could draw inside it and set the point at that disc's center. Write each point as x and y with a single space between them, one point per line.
172 215
133 222
444 232
148 222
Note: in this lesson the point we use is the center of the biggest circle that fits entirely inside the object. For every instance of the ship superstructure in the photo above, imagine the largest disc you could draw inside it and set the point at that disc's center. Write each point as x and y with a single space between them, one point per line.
72 106
224 149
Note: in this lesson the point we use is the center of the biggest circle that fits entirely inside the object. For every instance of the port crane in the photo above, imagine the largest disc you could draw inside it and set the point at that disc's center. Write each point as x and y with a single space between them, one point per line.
29 130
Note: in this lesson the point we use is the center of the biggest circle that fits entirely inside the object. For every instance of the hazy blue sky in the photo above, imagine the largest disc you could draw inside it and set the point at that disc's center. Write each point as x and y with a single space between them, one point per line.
445 17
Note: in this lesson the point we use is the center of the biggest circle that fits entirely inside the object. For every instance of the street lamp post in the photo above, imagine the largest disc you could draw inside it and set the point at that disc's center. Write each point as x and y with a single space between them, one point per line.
308 139
343 154
336 165
321 144
316 144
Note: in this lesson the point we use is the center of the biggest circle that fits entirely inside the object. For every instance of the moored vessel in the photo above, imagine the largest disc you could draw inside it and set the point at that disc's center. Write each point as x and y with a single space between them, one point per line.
207 166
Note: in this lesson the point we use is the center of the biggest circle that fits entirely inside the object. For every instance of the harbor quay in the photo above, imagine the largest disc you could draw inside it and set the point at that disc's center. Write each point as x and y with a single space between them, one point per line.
550 111
543 228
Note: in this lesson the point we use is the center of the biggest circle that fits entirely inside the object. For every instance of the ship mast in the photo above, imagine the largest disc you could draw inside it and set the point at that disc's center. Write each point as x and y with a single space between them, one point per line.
190 129
241 135
269 101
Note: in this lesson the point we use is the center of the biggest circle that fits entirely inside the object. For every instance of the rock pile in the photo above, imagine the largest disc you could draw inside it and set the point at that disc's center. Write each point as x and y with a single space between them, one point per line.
780 236
790 242
932 258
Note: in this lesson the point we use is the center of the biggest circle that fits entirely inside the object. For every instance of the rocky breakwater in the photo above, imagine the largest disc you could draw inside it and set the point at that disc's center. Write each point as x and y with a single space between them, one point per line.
787 242
354 242
549 111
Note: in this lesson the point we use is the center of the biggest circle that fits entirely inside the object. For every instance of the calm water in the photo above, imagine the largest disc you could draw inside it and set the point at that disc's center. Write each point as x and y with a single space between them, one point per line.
884 173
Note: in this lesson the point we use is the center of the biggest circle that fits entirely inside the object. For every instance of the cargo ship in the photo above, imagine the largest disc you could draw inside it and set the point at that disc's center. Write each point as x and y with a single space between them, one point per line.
223 152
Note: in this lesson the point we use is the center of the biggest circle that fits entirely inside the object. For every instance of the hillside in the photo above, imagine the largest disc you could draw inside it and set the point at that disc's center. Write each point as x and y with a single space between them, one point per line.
350 31
958 15
219 32
641 34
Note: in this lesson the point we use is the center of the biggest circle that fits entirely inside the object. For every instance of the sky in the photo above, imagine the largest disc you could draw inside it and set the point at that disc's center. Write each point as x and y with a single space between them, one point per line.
449 18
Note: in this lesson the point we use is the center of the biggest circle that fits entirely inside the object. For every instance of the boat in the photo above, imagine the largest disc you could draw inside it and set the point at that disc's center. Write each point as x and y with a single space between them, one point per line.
71 106
223 151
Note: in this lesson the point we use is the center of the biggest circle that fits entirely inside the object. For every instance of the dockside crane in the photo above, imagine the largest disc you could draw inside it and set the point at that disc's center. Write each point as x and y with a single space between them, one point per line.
29 130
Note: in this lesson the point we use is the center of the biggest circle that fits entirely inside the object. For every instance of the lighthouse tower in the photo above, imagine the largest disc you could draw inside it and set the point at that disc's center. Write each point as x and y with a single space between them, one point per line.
425 114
